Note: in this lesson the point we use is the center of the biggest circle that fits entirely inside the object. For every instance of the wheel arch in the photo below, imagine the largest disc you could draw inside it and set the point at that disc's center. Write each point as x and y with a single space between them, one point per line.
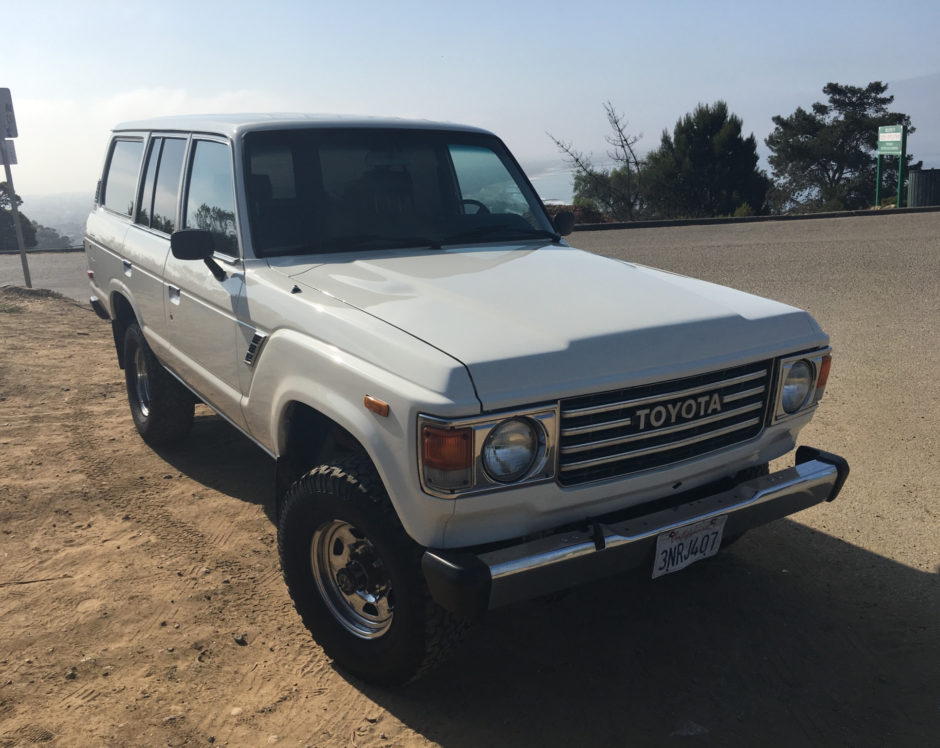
307 437
122 317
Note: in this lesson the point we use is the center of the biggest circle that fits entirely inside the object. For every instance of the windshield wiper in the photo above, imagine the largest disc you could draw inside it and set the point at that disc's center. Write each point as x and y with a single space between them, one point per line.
499 231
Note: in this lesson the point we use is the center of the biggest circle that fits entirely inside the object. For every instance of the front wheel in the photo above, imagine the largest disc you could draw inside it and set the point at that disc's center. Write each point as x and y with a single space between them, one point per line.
161 407
355 576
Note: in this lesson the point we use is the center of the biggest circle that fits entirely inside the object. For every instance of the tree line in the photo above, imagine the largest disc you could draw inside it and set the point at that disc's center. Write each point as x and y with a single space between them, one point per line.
822 159
34 234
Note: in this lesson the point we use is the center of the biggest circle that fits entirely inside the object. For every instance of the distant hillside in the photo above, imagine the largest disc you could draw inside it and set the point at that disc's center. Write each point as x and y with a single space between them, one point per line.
65 213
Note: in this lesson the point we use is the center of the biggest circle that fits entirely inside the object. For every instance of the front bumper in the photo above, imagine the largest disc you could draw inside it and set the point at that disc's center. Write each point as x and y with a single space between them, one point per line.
468 583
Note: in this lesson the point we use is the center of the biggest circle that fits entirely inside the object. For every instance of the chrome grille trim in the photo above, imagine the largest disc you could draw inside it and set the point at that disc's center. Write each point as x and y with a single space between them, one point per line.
654 450
586 429
664 431
575 412
611 434
741 395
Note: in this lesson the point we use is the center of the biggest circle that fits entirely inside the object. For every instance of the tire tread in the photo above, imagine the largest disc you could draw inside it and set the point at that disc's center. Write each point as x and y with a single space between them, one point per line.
354 478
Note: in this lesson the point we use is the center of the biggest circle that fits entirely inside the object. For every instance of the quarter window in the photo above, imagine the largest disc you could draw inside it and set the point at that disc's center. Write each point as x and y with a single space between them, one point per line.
121 179
210 202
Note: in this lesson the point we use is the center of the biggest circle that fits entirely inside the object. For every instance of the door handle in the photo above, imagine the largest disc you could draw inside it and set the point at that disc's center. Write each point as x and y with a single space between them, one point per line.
127 268
174 293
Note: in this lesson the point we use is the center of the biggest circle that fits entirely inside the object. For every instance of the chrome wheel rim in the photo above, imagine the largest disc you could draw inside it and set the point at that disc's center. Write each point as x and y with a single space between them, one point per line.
352 580
142 382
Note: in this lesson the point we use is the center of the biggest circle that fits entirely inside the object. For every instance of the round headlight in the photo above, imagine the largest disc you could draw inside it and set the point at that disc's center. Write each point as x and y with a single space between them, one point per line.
510 450
796 386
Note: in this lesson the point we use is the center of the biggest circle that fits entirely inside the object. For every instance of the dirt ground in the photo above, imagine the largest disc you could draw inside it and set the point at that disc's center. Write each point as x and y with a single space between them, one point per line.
141 601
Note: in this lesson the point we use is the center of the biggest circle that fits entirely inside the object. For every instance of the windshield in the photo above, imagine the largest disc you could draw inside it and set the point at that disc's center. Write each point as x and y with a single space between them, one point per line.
322 190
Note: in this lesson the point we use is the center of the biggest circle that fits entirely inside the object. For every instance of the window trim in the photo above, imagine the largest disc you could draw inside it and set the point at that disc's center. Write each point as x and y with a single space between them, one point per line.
151 143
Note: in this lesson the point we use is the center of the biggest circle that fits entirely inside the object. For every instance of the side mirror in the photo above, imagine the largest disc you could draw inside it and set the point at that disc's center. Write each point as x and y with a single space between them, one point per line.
564 222
192 244
196 244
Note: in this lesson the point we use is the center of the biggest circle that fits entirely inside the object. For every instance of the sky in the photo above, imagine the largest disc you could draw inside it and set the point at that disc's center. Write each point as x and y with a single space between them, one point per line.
521 69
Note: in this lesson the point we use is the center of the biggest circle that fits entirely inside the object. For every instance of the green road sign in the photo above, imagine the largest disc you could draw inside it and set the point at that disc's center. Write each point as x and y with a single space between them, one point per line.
890 140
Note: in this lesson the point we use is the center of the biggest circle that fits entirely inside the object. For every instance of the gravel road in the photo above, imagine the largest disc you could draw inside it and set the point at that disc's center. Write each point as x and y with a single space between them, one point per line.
141 601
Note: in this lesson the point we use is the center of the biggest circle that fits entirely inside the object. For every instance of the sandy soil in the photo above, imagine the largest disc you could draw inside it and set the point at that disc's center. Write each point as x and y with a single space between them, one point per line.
141 601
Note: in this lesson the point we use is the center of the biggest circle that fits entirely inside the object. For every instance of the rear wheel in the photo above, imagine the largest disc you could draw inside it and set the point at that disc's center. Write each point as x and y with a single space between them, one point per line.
162 408
355 576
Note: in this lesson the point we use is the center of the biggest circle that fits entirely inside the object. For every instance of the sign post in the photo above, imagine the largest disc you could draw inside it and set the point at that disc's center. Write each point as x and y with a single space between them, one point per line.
892 141
8 130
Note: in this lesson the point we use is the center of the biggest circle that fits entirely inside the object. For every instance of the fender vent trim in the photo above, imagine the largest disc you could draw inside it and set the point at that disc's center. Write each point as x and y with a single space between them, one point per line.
254 348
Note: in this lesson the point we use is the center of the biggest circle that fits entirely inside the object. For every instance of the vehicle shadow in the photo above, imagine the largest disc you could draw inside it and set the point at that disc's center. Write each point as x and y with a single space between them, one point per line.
791 637
222 458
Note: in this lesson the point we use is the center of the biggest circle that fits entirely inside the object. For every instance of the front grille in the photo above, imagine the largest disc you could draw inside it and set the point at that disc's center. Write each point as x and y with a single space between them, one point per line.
624 431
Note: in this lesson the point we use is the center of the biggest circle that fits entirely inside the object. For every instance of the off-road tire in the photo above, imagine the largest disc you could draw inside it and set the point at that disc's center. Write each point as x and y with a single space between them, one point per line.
420 633
161 407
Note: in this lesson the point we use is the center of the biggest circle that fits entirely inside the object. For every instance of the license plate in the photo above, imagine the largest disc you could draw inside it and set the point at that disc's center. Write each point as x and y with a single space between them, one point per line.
677 549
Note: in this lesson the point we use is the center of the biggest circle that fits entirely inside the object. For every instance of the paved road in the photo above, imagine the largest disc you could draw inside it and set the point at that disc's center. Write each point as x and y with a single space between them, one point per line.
59 271
765 258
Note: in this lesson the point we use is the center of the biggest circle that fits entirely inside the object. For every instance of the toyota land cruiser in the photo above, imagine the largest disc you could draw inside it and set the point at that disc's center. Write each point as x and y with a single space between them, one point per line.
464 410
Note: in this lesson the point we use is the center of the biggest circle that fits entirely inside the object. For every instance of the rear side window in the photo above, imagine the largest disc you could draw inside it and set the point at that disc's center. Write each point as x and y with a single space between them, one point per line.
120 184
210 201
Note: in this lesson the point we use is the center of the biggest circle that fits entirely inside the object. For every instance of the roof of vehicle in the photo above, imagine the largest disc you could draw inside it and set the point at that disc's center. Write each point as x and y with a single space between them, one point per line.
233 124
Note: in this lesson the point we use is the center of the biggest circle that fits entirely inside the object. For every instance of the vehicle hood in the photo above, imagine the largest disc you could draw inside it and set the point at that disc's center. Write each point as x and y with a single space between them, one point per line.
534 324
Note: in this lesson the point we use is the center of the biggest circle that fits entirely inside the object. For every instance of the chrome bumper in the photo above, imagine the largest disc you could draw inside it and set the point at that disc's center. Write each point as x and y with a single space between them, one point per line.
469 583
99 308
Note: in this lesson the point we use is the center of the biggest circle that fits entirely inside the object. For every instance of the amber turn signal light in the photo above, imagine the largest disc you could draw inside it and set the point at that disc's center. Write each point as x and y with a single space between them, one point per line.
823 377
448 449
379 407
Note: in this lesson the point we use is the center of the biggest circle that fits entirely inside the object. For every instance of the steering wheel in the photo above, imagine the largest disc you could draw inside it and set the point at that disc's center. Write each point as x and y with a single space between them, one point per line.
482 210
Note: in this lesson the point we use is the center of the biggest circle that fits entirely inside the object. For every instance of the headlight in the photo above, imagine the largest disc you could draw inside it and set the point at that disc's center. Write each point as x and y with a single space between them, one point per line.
460 457
510 450
797 385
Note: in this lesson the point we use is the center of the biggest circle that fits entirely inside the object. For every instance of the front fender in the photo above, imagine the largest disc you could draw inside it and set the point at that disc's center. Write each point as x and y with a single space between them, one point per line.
297 368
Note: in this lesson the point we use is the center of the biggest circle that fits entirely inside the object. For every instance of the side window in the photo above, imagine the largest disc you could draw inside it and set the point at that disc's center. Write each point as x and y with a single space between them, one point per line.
166 187
210 201
120 184
483 178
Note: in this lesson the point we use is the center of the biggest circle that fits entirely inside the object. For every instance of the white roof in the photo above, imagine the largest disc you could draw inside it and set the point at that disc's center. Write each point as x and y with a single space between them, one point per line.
234 124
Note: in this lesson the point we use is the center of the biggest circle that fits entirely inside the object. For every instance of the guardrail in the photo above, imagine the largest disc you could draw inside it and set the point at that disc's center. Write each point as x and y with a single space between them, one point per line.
750 219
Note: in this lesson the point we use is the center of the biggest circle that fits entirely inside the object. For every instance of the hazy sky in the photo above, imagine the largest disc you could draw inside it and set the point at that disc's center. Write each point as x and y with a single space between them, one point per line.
520 69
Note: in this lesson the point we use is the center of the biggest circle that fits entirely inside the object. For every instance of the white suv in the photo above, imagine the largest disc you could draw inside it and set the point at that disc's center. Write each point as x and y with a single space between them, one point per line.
465 411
